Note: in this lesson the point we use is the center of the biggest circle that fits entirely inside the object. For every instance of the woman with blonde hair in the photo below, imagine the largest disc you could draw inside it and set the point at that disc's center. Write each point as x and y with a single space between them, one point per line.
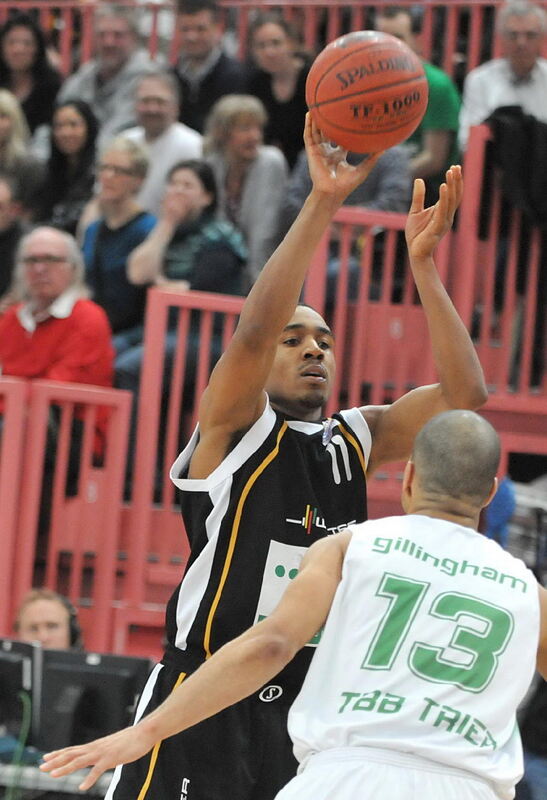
16 160
251 176
109 240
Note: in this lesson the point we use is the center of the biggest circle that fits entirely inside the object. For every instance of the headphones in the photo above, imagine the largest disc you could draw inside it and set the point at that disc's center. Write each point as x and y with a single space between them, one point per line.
75 630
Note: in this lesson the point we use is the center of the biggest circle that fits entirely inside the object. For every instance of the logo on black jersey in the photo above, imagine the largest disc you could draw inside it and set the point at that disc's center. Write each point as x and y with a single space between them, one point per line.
184 789
338 450
270 693
311 519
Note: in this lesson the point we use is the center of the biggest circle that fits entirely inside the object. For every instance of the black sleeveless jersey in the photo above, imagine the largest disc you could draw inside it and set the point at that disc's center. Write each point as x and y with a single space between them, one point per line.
285 485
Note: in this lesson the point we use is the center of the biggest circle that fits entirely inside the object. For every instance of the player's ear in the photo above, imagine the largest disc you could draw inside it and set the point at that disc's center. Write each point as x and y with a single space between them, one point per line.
408 479
492 492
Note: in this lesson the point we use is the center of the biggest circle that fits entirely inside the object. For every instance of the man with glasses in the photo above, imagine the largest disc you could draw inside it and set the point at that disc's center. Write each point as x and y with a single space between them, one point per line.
55 331
517 79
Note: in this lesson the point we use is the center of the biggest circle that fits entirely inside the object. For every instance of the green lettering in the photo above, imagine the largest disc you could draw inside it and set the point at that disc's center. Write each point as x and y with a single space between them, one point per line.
367 701
448 715
429 705
391 703
349 697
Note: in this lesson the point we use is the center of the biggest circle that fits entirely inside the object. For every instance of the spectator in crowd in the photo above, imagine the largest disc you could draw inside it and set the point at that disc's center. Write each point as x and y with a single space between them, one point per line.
108 81
55 331
189 248
49 618
166 140
110 239
25 69
204 71
519 78
11 230
279 81
70 170
434 144
251 177
15 159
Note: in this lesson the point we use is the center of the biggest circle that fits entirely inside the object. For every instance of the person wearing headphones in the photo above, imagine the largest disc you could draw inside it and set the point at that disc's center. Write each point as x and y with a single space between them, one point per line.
49 618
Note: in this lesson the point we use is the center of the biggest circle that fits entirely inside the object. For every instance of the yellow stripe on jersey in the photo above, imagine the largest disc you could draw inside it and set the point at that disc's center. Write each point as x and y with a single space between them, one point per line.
155 751
233 538
356 445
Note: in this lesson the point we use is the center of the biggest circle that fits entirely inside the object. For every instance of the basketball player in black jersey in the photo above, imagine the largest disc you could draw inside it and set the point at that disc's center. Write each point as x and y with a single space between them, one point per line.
266 475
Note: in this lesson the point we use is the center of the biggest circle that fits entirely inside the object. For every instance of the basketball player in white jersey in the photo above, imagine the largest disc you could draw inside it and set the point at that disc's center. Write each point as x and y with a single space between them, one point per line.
431 637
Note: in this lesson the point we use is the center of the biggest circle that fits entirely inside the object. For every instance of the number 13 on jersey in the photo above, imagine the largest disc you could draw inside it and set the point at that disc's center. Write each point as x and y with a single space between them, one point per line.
479 633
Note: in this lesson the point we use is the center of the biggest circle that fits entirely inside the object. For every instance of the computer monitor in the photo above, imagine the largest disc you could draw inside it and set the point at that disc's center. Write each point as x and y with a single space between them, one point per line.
86 695
20 672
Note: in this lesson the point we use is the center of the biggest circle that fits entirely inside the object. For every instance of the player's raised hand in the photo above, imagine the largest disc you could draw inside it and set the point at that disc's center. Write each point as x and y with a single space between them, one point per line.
329 170
101 754
425 227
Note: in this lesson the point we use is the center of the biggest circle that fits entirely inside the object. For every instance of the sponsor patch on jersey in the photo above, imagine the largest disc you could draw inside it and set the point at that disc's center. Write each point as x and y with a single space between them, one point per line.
282 565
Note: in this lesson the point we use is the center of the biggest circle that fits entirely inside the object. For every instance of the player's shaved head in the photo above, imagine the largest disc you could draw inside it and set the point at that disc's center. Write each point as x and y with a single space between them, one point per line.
456 454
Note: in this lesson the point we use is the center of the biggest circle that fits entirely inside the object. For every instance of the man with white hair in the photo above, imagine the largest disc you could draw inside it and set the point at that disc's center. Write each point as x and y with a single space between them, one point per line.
55 331
517 79
107 82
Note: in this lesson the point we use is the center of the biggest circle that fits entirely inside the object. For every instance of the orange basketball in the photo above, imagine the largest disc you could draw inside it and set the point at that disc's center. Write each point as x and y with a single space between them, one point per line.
367 91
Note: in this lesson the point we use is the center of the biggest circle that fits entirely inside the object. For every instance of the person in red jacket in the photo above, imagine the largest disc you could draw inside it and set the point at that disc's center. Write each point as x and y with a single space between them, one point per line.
55 332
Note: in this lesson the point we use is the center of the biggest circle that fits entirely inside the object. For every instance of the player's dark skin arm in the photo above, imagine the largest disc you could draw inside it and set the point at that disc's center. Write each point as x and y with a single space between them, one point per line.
461 383
235 396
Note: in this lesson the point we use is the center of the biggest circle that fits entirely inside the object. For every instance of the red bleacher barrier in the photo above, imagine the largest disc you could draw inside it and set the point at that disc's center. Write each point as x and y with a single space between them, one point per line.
81 544
154 537
456 35
13 396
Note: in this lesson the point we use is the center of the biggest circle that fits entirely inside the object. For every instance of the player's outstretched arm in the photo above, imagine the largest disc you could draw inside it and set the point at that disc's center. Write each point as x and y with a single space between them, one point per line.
235 671
234 398
461 381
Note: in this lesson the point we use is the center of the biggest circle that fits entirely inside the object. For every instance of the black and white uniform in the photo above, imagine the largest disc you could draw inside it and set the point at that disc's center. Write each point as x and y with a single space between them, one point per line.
283 486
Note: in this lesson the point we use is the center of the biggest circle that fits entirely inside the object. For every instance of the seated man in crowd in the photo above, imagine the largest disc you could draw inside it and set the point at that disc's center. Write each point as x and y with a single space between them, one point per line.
166 140
107 82
519 78
204 71
50 619
55 331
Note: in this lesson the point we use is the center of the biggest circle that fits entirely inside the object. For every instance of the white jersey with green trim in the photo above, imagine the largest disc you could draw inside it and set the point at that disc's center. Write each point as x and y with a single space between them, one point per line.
429 647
